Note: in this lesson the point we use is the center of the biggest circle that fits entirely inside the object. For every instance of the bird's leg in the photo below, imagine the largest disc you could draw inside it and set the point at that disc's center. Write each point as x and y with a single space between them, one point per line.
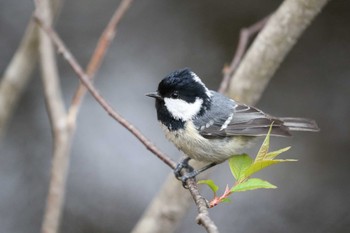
182 164
194 173
190 172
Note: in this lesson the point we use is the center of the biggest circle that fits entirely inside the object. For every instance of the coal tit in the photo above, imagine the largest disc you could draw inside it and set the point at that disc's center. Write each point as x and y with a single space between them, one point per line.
210 127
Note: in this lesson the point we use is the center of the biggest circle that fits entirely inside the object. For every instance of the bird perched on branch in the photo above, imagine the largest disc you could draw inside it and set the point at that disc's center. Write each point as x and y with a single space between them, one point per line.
209 127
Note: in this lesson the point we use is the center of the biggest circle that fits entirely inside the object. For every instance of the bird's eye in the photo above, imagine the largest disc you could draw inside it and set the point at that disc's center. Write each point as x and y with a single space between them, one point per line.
174 95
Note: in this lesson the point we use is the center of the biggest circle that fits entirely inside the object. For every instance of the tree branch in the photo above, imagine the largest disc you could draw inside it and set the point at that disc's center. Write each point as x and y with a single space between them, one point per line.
57 116
104 104
17 75
97 57
245 36
19 70
271 47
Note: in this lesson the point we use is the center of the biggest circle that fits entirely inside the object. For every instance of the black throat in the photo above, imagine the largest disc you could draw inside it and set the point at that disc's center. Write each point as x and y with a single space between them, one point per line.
165 117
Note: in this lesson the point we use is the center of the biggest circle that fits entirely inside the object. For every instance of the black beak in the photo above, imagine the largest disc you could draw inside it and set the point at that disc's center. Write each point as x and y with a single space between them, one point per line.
154 95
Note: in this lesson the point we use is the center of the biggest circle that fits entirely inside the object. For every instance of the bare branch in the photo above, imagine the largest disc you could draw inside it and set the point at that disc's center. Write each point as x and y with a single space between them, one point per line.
17 74
57 115
105 105
245 36
19 70
97 57
270 48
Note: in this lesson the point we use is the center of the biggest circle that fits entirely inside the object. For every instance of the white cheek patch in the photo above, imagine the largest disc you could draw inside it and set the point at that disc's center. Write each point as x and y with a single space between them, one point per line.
182 110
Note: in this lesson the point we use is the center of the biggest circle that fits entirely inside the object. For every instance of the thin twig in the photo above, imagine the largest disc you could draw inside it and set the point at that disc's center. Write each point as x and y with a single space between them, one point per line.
97 57
105 105
245 36
57 115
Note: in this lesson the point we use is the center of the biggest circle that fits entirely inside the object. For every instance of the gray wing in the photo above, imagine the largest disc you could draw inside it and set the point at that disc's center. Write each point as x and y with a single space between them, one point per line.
229 118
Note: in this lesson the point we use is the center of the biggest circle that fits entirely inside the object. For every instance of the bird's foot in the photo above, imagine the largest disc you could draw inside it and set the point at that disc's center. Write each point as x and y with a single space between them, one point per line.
189 171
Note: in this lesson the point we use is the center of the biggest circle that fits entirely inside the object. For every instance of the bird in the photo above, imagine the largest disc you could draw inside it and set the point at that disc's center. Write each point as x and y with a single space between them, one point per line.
210 127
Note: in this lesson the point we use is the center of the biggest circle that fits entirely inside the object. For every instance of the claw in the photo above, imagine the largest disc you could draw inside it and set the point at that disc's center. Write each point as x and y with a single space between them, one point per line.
187 176
189 171
183 164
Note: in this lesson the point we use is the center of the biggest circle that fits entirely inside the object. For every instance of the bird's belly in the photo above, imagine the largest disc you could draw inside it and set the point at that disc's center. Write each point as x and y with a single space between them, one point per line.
202 149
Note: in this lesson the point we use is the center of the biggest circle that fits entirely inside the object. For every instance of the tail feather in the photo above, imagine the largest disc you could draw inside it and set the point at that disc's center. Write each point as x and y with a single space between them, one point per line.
300 124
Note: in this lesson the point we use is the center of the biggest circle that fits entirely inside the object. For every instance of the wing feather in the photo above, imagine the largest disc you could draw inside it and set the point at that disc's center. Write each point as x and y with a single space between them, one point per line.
233 119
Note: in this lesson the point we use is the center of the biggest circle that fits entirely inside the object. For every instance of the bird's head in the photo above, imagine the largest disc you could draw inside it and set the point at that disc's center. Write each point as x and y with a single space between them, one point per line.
181 96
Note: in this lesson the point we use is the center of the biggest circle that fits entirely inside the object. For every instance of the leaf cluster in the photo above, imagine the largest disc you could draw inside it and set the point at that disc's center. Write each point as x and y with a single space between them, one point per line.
243 167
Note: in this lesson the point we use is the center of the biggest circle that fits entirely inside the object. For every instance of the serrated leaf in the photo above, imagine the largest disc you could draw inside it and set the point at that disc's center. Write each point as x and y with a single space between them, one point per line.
239 164
273 154
264 147
251 184
210 184
257 166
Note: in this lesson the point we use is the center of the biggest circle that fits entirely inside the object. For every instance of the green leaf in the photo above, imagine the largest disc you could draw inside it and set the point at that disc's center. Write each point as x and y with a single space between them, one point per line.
257 166
273 154
252 184
264 147
239 164
211 185
225 199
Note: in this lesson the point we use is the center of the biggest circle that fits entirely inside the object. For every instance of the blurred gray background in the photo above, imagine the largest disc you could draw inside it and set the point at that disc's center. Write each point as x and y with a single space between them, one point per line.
112 177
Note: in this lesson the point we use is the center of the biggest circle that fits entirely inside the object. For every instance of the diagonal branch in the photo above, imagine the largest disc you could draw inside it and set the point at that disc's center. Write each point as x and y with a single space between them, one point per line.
244 36
97 57
104 104
270 48
17 74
